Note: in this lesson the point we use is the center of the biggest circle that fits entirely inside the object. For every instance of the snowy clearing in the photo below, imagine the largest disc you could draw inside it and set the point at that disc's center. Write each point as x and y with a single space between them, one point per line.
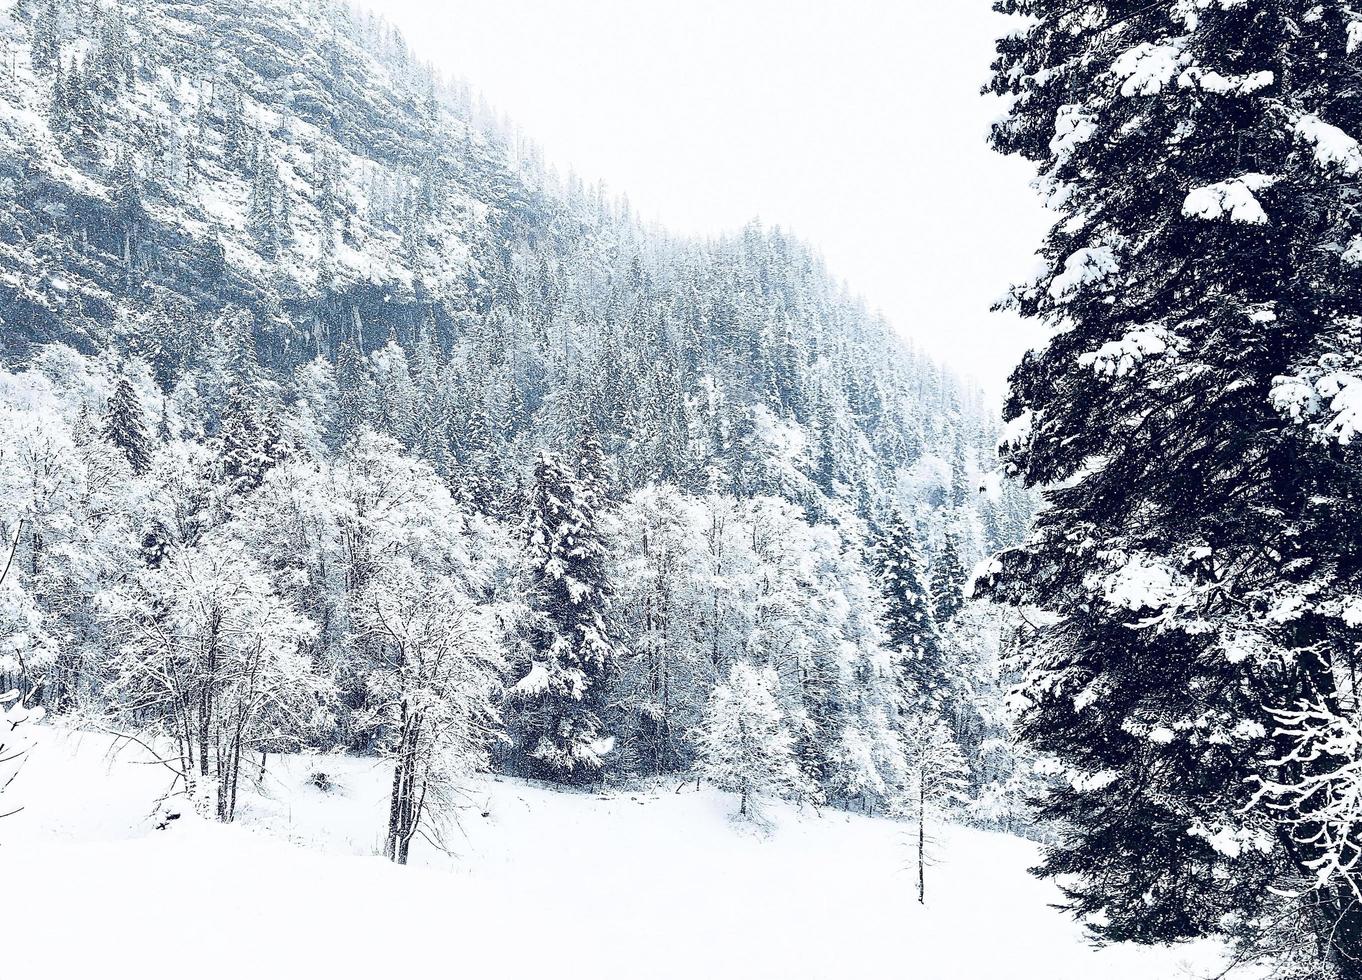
646 884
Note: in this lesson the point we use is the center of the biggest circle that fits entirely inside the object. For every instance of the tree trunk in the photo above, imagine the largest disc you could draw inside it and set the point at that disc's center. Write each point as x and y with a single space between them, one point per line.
394 808
401 823
236 773
205 713
1343 934
921 843
396 803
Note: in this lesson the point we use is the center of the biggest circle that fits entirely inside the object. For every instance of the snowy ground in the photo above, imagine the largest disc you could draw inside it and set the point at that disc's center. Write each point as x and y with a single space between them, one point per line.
655 884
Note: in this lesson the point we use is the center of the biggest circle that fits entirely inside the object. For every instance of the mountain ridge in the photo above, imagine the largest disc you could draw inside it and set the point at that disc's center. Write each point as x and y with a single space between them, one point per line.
317 186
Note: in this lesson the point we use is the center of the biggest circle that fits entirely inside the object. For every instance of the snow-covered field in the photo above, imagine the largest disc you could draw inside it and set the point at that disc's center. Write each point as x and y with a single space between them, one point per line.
542 883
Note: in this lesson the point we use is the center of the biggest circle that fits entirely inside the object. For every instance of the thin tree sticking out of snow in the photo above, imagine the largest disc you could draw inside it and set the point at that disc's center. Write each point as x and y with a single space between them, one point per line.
14 714
937 780
14 742
744 745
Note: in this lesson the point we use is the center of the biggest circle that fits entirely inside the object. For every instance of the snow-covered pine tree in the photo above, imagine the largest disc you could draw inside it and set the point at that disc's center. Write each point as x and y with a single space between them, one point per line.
128 206
58 108
559 700
744 745
431 423
394 393
593 473
263 216
1191 417
46 44
477 463
947 581
355 399
124 426
816 735
250 444
909 627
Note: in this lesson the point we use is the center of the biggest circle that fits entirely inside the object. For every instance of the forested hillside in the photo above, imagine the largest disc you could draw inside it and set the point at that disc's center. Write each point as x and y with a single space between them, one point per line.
330 419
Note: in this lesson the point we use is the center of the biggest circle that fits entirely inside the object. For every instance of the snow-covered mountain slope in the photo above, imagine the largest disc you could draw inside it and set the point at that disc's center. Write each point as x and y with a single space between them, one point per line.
286 178
656 883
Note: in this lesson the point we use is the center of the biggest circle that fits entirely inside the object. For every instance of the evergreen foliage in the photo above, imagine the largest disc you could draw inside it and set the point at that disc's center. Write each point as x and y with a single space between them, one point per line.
908 619
124 425
1191 425
561 698
947 581
744 745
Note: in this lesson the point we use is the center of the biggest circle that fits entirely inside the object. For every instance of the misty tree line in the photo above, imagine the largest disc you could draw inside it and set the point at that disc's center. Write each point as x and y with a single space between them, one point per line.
334 423
267 584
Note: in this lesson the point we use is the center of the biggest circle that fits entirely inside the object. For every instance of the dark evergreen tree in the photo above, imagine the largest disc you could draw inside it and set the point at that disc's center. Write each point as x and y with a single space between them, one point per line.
817 737
477 464
250 443
1203 493
267 198
561 698
46 41
593 472
960 492
58 106
155 544
826 455
236 134
908 621
127 188
355 401
113 63
947 581
124 426
85 113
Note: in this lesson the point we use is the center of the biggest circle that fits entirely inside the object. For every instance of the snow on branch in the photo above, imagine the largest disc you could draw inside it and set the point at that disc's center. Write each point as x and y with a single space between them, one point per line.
15 716
1074 126
1148 68
1318 794
1118 358
1327 395
1233 199
1334 149
1082 268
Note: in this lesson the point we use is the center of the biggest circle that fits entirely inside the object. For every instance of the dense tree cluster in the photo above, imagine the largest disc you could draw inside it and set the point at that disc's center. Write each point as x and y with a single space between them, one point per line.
249 587
310 217
329 420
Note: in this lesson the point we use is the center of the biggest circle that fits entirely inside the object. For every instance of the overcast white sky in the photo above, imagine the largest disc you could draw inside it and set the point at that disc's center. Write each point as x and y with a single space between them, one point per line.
855 123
